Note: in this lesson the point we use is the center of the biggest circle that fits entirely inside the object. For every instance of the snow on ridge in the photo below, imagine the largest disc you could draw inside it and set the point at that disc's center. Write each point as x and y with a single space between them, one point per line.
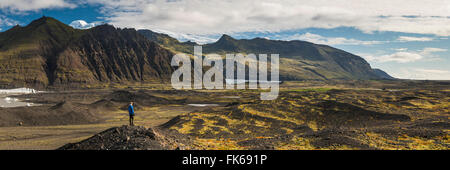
81 24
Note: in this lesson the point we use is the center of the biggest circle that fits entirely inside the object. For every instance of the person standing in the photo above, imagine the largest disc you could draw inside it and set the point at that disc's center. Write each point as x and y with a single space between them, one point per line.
131 113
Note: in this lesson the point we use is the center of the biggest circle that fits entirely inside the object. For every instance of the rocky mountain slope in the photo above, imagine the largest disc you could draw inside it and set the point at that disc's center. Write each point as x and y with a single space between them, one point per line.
47 52
300 60
382 74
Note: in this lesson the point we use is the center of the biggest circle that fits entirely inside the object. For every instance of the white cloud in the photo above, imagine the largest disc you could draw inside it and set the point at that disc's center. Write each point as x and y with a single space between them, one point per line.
429 50
401 49
408 39
200 39
218 16
34 5
81 24
318 39
404 56
4 21
434 71
400 57
422 74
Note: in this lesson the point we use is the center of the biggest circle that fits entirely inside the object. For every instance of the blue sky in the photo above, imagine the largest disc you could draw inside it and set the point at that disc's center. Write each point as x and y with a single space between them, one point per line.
405 38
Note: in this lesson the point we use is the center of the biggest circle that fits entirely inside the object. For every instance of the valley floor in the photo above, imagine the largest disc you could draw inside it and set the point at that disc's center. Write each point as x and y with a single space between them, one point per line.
306 115
55 136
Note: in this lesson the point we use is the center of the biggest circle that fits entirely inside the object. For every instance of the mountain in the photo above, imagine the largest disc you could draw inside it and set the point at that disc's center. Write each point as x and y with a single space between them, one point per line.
168 41
382 74
47 52
27 54
107 54
299 60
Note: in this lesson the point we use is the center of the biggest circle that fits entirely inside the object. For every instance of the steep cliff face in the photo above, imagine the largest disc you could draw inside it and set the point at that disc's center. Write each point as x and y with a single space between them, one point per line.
107 54
47 52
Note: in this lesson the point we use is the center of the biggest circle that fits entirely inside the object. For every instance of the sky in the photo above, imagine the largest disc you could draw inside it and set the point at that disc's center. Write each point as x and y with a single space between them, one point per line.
408 39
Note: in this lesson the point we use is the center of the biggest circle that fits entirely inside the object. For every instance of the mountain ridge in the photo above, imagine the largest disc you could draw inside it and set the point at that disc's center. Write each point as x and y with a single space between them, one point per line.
300 60
47 52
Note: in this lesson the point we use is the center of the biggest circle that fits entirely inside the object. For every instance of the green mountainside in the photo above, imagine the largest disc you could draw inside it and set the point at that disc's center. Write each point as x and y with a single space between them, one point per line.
299 60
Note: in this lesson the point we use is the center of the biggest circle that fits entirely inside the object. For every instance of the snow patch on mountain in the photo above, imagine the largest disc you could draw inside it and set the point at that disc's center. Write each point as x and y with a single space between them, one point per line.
81 24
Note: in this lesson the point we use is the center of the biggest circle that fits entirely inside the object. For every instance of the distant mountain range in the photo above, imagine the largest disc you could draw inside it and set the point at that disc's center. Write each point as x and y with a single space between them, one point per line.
48 52
299 60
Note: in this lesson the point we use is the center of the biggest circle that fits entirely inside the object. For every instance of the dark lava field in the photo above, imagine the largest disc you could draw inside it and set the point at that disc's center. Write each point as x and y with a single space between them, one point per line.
385 115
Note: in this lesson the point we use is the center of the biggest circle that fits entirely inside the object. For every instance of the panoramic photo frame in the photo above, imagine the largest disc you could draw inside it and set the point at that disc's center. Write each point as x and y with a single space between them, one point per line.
224 83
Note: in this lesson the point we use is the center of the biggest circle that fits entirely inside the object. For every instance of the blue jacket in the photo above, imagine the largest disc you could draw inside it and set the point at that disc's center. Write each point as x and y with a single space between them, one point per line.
131 109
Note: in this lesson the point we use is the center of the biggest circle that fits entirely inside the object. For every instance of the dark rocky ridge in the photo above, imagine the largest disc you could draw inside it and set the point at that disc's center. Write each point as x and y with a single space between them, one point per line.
47 52
131 138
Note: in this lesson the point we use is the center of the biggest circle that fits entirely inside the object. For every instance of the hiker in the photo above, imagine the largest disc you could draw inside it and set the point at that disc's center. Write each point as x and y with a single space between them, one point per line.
131 113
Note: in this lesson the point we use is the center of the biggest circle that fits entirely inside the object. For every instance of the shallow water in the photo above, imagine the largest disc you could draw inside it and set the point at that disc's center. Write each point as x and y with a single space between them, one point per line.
204 105
14 102
18 91
231 97
7 100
